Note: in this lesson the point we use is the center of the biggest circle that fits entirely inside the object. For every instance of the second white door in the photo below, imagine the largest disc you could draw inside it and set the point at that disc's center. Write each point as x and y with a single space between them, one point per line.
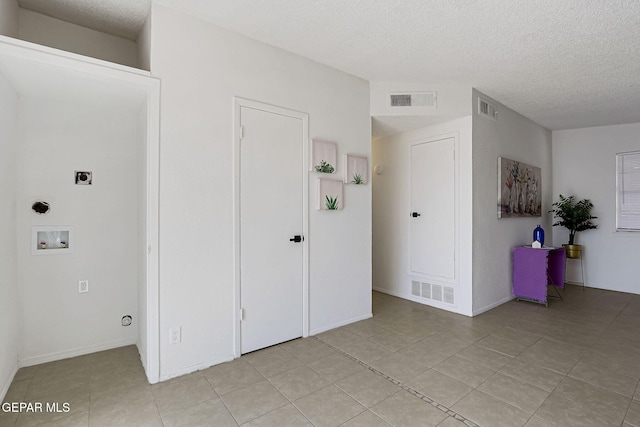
271 209
432 216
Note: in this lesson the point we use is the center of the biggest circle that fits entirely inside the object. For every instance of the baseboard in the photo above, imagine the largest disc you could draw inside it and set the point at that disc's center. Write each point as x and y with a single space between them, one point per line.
7 384
493 305
571 282
194 368
143 360
337 325
396 294
80 351
423 301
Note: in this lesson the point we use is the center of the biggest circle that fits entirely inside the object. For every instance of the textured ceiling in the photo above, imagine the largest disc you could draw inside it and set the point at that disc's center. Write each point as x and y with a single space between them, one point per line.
564 64
122 18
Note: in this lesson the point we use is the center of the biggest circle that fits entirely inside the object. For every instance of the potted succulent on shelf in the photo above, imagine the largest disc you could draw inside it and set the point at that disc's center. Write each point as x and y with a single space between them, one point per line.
574 216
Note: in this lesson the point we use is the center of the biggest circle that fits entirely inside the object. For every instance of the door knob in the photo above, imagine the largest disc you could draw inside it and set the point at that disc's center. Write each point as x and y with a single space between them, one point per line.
296 239
415 214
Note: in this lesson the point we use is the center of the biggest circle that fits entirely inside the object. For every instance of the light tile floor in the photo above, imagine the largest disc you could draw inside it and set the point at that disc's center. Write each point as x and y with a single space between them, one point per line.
576 363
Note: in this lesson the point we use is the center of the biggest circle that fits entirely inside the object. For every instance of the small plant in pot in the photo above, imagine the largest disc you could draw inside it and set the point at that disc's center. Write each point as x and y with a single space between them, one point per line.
574 216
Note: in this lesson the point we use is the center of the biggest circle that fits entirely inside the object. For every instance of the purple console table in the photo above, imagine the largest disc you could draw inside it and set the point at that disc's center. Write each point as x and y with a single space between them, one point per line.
534 270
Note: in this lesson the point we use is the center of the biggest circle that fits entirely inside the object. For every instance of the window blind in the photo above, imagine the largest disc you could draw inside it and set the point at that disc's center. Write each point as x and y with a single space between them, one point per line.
628 191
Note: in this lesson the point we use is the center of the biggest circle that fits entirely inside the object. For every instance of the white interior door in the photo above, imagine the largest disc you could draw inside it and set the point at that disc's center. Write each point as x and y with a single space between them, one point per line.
271 214
432 216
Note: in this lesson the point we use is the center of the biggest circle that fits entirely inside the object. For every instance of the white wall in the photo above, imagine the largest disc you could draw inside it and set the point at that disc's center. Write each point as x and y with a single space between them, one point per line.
140 323
47 31
584 165
202 68
391 202
515 137
9 18
144 45
9 313
57 138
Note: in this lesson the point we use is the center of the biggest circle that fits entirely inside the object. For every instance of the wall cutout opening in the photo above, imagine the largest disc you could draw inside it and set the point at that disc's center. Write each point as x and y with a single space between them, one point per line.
40 207
48 240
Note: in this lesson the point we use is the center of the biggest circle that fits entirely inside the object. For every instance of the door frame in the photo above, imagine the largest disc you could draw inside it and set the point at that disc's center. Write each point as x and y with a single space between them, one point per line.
152 291
456 197
304 140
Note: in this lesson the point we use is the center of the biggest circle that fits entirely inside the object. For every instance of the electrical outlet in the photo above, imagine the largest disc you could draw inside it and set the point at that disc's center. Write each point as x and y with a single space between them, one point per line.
83 286
175 335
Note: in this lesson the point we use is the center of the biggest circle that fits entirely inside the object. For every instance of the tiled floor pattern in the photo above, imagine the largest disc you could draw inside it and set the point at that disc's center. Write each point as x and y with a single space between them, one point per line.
413 391
520 364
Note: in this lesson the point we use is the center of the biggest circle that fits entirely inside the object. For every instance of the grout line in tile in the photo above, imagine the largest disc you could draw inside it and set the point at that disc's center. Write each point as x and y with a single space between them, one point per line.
407 388
227 408
630 403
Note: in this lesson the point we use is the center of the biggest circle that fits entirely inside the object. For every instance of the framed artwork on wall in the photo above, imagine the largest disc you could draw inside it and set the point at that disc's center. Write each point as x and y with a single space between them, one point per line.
519 189
324 155
356 170
330 195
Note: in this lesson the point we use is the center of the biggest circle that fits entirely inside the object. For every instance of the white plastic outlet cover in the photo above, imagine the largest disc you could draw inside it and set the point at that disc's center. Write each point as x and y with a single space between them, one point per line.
83 286
175 335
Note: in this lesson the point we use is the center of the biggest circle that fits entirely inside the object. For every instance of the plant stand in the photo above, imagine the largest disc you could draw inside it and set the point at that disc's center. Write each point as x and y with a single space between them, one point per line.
580 255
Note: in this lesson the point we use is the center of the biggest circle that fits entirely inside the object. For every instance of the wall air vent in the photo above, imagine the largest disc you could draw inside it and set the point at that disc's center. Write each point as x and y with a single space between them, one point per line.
413 99
426 290
432 291
487 109
447 295
436 292
415 288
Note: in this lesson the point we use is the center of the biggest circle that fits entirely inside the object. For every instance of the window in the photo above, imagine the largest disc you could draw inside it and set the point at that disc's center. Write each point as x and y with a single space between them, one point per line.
628 191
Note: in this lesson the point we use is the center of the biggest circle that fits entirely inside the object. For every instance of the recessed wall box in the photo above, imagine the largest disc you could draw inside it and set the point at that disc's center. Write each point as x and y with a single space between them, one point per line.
83 177
52 239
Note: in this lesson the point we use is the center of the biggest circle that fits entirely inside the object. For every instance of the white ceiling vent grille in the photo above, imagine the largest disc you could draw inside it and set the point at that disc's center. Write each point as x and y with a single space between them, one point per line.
413 99
487 109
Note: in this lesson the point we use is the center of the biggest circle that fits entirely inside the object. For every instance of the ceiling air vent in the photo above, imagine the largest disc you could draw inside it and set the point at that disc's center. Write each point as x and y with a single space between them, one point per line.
487 109
413 99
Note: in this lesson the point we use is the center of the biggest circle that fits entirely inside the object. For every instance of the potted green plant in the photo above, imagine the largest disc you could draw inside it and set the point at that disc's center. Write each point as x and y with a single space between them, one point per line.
574 216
